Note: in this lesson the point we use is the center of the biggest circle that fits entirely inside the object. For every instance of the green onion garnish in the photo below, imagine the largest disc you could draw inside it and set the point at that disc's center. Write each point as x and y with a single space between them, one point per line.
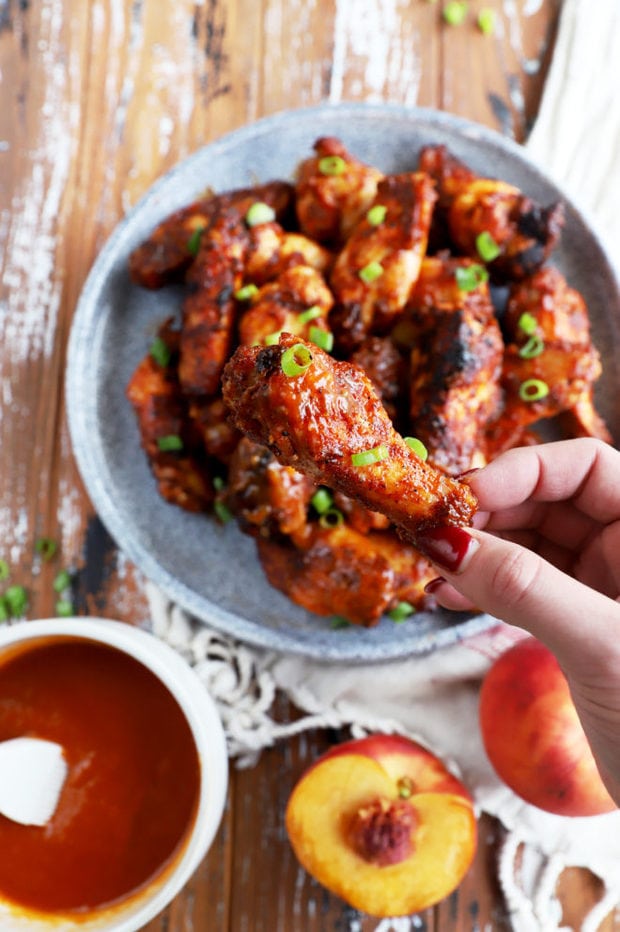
246 292
272 338
486 21
4 569
401 611
532 348
417 446
322 338
193 243
332 165
160 351
533 390
331 518
454 13
339 622
311 314
487 247
62 581
169 443
322 500
16 600
527 323
368 457
258 213
376 215
295 360
222 511
64 608
4 609
371 272
470 276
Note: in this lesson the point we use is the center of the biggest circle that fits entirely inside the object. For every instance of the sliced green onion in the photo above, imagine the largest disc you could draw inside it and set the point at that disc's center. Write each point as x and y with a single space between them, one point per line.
16 600
487 247
311 314
64 608
332 165
401 611
376 215
246 292
295 360
533 390
272 338
371 272
169 443
62 581
322 500
486 21
4 569
339 622
417 446
533 348
368 457
322 338
258 213
160 351
222 511
469 277
454 13
4 609
193 243
218 484
333 517
527 323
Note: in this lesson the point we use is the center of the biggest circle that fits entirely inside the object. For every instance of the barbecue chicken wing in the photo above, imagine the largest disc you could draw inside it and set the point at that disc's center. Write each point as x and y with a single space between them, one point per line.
524 232
380 262
296 302
326 418
456 365
272 250
333 190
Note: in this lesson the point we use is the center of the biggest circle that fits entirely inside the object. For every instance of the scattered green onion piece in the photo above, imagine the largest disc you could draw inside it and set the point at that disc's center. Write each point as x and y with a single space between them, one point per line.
454 13
16 600
311 314
322 500
258 213
469 277
272 338
533 348
339 622
62 581
295 360
533 390
401 611
487 247
218 484
368 457
527 323
64 608
46 547
160 352
169 443
322 338
193 243
486 21
417 446
376 215
4 569
332 165
246 292
222 511
333 517
371 272
4 609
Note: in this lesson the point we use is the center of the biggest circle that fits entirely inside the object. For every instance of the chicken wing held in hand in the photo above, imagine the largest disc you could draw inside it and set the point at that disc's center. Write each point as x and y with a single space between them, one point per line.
324 418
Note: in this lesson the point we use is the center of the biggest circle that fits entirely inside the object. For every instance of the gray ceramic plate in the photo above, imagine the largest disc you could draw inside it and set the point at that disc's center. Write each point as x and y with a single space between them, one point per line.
212 571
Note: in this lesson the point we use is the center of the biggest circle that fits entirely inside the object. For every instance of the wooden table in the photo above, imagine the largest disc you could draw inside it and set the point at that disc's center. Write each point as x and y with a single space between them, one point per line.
99 98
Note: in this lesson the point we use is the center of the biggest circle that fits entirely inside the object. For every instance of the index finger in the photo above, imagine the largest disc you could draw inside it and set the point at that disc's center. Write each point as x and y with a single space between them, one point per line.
584 470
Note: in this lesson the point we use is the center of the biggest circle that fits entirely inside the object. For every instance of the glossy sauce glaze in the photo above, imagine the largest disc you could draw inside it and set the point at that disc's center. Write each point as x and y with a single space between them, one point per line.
133 781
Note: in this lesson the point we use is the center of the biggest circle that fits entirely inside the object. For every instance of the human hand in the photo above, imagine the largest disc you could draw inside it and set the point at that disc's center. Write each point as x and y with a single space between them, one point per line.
545 556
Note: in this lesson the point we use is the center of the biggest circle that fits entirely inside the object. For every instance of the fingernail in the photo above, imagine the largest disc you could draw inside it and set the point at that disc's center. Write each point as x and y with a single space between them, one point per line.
449 547
468 473
434 584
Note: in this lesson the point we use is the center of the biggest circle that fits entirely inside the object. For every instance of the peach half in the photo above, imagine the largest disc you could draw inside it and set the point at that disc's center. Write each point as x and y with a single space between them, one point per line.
383 824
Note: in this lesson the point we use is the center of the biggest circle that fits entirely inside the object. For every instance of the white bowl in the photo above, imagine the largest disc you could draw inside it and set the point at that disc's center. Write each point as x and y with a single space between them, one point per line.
208 735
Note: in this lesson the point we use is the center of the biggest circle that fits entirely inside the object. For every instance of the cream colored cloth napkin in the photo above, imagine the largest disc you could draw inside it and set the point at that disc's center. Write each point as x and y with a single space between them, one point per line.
435 698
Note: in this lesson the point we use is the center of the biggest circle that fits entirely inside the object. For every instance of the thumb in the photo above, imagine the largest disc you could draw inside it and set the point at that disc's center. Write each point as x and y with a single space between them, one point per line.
579 624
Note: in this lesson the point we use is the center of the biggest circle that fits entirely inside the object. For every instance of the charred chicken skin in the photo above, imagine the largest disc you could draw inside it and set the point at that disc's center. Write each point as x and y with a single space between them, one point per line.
325 420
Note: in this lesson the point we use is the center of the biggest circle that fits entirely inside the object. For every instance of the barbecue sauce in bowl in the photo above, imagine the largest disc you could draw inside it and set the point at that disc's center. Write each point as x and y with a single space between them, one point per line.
133 784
